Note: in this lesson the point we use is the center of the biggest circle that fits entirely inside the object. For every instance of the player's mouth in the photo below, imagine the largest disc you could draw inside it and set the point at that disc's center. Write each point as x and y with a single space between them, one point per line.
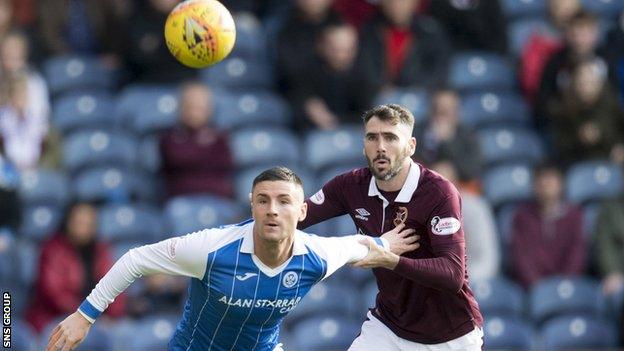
381 162
272 224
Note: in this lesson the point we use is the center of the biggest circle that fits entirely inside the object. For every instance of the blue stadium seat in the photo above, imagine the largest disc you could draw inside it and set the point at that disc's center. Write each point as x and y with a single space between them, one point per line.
95 148
112 184
356 277
153 333
562 295
244 181
9 175
499 296
520 31
7 255
324 149
77 73
133 223
186 214
416 101
481 71
28 261
251 40
508 333
493 109
524 8
594 180
149 150
323 297
83 111
507 184
579 333
147 109
264 146
39 221
20 297
23 336
44 187
504 221
609 9
506 145
250 108
238 73
332 332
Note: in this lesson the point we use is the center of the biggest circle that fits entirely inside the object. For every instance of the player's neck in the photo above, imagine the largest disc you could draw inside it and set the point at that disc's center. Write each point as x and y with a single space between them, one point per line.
273 254
397 182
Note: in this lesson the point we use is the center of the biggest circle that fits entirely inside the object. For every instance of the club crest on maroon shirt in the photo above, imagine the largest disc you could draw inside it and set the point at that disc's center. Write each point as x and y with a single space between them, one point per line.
401 216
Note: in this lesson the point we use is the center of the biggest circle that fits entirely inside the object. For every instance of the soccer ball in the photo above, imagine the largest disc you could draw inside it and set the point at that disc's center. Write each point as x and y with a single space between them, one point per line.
200 33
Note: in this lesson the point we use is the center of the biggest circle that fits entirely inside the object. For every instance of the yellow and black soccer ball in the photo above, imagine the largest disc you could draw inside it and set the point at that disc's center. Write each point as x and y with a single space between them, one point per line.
200 33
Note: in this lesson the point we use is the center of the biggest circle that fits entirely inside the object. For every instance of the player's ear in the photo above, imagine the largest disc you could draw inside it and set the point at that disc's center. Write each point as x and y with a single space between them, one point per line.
412 144
249 196
304 211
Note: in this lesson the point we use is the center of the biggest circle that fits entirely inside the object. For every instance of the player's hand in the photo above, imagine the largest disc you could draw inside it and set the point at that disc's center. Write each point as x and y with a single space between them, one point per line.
377 256
69 333
402 240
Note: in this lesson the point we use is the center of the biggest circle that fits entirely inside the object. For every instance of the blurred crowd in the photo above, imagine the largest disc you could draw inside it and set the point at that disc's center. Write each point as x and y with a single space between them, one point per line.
559 115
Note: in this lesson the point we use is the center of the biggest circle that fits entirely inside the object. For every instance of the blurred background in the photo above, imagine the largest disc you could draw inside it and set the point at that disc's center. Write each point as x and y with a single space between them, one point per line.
106 143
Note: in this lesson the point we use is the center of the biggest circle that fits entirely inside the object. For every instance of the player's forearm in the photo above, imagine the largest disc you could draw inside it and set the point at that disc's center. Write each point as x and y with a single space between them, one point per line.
443 273
117 279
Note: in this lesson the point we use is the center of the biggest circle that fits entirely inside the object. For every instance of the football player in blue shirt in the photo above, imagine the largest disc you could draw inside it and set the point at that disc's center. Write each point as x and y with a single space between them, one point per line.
245 277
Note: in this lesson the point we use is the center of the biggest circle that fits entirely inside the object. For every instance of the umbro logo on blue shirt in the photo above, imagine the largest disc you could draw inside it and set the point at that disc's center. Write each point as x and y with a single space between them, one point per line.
242 278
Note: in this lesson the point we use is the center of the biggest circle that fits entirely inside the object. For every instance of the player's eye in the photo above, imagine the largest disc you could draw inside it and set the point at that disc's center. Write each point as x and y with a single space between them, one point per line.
370 137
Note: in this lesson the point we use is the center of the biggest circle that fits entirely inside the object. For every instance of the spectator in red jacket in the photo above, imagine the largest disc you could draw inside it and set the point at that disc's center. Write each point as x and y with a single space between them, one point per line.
196 157
72 261
547 233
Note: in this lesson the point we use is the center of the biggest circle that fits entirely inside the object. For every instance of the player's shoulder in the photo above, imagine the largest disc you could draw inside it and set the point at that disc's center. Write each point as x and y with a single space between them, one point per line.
214 238
436 185
354 177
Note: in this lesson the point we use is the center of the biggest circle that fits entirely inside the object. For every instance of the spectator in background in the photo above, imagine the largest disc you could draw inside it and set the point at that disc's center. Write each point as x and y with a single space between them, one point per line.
72 261
482 247
331 92
588 120
472 24
144 47
23 130
581 43
196 157
401 49
444 138
6 17
547 233
610 246
296 42
14 58
542 44
89 27
160 293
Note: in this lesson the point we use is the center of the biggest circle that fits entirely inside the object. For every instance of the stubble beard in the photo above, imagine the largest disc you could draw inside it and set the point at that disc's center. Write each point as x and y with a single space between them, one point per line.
395 167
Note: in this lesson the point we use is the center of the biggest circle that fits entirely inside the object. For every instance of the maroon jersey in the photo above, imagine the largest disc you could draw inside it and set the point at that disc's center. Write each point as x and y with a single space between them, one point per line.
426 298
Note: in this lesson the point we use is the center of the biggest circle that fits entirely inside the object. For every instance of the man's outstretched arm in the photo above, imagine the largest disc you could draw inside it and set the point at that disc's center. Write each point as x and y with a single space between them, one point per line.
184 256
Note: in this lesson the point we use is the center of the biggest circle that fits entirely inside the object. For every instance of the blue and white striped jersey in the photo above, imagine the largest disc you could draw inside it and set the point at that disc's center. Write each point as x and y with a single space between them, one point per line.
235 301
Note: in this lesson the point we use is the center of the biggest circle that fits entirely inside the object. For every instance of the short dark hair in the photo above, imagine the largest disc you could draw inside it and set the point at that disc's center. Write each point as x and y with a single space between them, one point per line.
392 113
583 17
279 173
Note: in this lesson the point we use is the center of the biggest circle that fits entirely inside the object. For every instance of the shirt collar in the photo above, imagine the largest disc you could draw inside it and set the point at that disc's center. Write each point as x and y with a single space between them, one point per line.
247 246
407 190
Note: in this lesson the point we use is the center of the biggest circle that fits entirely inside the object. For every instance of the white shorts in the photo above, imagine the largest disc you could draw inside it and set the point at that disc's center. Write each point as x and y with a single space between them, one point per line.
375 336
